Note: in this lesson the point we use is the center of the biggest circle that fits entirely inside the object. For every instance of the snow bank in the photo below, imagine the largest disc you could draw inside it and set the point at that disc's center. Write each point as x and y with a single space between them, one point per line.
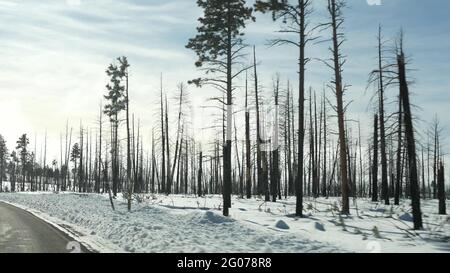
154 228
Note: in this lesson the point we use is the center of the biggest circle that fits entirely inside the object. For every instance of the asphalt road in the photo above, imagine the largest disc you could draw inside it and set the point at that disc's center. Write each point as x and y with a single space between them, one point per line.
22 232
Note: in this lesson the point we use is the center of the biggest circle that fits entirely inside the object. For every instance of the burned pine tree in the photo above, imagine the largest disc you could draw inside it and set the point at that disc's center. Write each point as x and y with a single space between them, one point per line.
218 45
377 77
179 135
400 142
294 14
162 187
261 143
375 161
248 165
335 9
275 151
441 189
436 131
409 130
169 169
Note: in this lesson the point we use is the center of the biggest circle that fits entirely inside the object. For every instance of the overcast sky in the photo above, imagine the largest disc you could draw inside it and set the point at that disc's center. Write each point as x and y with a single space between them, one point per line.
54 54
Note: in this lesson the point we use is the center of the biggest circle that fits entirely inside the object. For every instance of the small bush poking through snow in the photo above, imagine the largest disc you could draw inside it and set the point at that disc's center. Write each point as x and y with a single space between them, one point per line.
281 225
376 232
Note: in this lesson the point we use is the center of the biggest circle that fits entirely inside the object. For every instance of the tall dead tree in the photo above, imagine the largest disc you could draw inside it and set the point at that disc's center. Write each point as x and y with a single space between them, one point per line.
441 190
259 164
399 176
100 129
81 166
409 129
248 166
275 170
294 15
163 142
181 100
377 77
200 174
375 161
324 180
169 169
335 8
290 183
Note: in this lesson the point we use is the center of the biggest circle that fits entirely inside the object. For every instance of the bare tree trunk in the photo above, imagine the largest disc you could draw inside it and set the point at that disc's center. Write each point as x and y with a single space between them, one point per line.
154 166
200 173
375 162
324 181
399 154
248 166
129 182
288 136
80 169
275 177
258 130
169 171
411 146
229 102
384 176
423 176
441 190
336 19
163 146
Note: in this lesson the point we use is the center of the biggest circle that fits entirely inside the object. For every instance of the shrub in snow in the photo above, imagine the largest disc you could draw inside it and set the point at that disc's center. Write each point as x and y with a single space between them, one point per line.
281 225
139 198
376 232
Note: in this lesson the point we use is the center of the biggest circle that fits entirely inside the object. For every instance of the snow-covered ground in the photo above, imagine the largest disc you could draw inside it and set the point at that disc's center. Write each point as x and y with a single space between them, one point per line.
159 223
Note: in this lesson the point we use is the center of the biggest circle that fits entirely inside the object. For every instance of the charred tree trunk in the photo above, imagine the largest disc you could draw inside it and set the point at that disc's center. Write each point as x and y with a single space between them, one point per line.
275 177
441 190
200 173
375 161
163 145
398 180
411 145
248 166
258 130
336 21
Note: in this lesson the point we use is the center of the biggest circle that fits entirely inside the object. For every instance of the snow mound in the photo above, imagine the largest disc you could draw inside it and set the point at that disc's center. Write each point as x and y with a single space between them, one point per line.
210 217
319 226
406 217
281 225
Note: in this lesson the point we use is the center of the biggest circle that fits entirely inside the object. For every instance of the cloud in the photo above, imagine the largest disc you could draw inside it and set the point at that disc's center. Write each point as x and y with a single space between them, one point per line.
54 54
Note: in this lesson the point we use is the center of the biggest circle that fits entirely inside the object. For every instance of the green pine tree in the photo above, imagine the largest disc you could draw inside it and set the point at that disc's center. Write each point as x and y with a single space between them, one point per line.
219 45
